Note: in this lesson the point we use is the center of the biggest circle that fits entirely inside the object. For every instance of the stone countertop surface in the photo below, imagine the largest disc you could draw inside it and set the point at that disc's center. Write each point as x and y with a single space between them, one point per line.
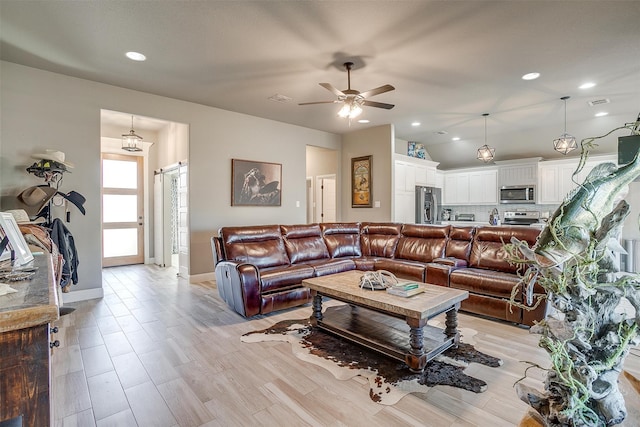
36 301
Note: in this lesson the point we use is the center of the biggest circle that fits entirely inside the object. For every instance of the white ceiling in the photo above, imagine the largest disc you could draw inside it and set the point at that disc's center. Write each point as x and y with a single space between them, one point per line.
450 62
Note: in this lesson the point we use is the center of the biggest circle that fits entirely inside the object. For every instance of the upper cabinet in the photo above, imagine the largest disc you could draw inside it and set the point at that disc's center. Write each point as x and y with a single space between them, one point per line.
556 180
518 172
407 173
471 187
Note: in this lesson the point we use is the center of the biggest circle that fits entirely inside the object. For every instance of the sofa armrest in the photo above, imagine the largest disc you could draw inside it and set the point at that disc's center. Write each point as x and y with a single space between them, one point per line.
438 274
239 286
451 261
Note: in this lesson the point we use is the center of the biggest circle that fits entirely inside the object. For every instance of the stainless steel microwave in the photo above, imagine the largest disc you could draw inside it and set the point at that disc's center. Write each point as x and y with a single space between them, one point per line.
518 194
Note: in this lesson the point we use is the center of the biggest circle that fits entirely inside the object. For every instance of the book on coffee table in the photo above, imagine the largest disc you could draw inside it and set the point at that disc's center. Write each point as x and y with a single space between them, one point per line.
407 289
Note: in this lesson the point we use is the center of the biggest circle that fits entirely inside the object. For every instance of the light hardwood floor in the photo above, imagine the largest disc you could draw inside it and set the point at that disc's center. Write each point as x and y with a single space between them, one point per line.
158 351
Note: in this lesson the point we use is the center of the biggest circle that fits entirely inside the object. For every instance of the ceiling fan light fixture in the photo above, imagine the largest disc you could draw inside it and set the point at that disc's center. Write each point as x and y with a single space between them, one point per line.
566 142
350 109
131 141
486 153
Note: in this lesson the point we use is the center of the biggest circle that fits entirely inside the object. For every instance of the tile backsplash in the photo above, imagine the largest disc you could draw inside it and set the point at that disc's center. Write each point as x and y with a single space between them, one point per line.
481 213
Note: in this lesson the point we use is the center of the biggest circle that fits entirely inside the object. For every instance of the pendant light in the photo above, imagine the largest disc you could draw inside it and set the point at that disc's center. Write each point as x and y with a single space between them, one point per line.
486 153
131 141
566 142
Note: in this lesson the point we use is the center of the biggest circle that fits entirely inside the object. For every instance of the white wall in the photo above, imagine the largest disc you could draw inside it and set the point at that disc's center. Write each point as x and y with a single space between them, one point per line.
379 142
46 110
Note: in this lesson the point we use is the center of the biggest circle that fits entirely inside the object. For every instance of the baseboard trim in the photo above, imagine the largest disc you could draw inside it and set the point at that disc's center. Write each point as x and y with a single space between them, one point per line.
82 295
203 277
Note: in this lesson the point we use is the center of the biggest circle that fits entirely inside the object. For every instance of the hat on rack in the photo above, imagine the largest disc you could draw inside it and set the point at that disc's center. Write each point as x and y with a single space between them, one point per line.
55 155
35 198
22 217
77 199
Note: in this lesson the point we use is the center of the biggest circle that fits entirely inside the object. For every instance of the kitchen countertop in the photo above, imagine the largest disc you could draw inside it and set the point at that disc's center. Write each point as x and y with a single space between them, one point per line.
36 301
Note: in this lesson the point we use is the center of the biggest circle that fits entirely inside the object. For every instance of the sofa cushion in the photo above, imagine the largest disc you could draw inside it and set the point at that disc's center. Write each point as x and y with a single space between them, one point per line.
261 245
422 242
459 243
486 282
304 242
488 250
323 267
379 239
342 239
411 270
274 279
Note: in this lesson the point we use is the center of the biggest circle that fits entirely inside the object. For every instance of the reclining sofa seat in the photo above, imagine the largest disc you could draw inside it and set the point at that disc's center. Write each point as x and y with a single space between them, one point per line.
418 245
490 278
257 275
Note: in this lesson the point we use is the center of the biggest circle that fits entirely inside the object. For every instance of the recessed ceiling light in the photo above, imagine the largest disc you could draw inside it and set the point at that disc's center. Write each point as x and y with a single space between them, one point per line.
455 138
530 76
587 85
136 56
602 114
414 124
278 97
363 121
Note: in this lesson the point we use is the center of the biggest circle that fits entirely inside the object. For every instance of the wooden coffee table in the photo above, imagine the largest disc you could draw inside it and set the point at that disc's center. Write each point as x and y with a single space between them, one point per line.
371 318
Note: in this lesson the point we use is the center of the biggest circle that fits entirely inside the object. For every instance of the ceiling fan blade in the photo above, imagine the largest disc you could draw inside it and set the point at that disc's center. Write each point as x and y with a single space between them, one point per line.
332 89
377 91
378 104
318 102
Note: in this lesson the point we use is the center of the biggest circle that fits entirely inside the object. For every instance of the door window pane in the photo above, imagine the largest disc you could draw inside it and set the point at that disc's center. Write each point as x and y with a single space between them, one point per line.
119 208
119 174
120 242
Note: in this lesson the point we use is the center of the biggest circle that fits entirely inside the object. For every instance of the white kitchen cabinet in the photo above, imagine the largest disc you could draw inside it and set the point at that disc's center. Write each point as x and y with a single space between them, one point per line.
473 187
518 173
439 179
555 177
404 207
483 187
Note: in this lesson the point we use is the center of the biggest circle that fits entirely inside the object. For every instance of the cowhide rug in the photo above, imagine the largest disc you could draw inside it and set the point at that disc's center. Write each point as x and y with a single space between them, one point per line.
389 379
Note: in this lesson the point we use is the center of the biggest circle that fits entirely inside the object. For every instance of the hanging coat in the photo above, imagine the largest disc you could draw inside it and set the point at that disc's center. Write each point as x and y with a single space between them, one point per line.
62 237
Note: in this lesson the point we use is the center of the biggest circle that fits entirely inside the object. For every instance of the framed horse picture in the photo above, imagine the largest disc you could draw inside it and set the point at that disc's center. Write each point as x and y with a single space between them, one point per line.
255 183
361 182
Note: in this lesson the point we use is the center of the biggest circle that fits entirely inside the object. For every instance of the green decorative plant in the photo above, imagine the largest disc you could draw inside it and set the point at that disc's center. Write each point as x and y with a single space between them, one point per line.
574 262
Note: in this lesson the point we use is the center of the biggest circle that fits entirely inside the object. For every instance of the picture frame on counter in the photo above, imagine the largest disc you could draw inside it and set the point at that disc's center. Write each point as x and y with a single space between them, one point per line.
9 228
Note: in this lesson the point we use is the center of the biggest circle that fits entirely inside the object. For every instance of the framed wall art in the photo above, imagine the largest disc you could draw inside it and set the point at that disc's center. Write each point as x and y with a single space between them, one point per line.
415 149
9 228
361 184
255 183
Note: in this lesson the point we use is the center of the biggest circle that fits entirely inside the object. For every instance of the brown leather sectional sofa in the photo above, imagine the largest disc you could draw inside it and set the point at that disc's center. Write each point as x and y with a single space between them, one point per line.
259 269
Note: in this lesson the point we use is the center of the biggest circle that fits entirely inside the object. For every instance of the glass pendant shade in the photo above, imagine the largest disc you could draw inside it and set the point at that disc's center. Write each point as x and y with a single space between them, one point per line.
486 153
566 142
131 141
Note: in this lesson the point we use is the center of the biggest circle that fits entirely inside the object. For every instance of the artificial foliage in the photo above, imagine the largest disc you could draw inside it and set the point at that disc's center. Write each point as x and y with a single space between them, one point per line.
586 336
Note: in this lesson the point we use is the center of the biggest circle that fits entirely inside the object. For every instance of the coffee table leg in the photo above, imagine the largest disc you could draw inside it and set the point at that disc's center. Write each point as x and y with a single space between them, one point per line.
451 323
416 359
317 308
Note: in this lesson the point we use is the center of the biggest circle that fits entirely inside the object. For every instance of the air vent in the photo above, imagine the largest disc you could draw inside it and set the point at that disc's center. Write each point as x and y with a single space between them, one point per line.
279 98
598 102
441 132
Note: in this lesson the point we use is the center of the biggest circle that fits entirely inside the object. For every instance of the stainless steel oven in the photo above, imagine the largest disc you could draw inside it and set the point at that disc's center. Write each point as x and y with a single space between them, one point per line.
518 194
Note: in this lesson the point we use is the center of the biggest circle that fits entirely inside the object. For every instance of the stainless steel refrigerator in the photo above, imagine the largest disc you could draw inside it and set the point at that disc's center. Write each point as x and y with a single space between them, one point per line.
428 201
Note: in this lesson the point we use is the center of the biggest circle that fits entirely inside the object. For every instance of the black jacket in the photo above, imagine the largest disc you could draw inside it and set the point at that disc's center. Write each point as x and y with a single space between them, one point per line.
67 247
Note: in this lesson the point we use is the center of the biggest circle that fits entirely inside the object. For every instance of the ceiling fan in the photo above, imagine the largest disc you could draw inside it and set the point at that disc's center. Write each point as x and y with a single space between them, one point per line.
352 99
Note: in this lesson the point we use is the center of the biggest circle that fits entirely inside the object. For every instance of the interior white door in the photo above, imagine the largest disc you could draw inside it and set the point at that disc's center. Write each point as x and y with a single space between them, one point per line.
326 206
158 220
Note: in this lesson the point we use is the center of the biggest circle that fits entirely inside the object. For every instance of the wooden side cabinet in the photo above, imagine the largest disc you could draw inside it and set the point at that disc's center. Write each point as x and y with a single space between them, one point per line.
25 352
24 375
